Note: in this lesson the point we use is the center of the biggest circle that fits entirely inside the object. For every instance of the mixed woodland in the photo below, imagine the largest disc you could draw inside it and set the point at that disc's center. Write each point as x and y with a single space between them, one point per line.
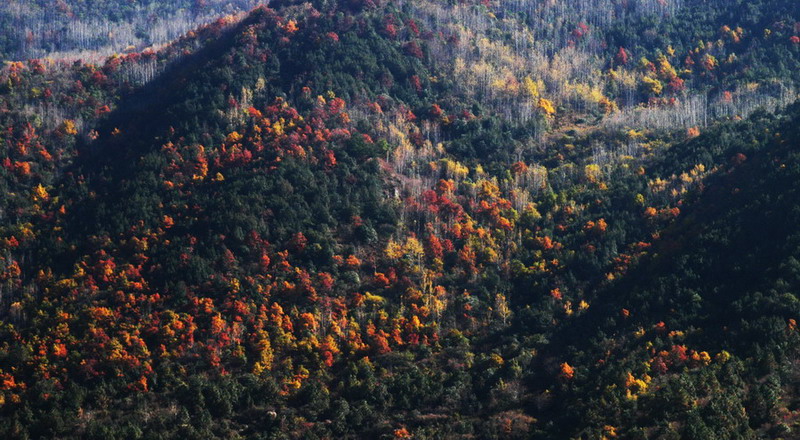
400 219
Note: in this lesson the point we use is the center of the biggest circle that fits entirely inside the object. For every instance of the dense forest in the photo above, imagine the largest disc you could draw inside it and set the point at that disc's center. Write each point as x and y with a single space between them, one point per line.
400 219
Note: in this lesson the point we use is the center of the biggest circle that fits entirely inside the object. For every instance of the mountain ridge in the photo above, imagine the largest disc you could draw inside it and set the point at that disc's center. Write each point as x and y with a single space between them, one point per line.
304 226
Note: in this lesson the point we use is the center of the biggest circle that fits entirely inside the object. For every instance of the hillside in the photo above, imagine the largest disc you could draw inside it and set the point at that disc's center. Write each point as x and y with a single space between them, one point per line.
703 330
94 29
406 220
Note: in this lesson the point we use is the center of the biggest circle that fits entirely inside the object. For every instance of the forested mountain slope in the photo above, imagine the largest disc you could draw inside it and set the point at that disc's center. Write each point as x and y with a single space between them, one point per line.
408 220
700 340
97 28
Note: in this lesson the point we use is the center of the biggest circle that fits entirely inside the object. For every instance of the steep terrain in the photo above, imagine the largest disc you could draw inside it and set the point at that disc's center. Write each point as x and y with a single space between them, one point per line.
408 220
